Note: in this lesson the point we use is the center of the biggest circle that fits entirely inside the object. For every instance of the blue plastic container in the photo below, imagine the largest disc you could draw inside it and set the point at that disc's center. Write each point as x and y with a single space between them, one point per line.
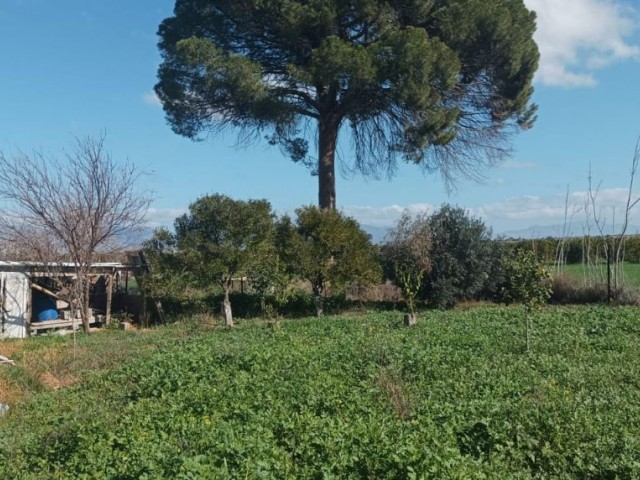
45 309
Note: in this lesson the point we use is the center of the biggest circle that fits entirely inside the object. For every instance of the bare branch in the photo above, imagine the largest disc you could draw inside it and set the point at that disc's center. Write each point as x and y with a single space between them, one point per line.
69 211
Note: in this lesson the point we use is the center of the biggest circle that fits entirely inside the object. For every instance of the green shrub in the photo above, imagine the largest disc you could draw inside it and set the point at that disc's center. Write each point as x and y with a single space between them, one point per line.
461 257
527 283
526 280
406 255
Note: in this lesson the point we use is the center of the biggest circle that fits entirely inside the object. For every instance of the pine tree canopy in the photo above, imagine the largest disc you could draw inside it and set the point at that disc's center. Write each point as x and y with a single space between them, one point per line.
439 83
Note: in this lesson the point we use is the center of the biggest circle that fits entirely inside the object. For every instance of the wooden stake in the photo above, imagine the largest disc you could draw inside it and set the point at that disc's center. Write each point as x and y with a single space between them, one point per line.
107 317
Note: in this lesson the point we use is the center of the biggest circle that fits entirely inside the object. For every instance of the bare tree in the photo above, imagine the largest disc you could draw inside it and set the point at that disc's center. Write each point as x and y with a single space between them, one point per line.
630 204
561 256
71 210
613 243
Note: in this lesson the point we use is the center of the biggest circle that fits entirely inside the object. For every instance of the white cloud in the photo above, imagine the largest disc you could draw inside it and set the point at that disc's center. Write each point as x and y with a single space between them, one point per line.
163 217
577 37
510 214
384 216
520 212
150 98
526 211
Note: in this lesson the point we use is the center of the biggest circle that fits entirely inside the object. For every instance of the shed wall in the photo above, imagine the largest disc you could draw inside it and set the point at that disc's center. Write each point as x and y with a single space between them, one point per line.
15 295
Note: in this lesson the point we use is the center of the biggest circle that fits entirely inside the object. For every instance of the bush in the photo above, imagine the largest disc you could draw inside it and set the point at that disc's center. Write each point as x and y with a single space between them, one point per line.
566 291
406 255
297 303
461 257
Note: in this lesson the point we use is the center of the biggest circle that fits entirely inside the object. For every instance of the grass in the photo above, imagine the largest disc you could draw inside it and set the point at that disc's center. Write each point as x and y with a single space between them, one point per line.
350 397
49 362
577 272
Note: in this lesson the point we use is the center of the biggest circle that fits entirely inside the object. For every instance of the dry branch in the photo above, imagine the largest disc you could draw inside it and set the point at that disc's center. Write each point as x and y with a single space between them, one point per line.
70 211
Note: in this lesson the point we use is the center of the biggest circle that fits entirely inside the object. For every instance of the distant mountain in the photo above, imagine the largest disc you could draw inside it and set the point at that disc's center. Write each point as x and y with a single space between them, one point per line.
555 231
133 239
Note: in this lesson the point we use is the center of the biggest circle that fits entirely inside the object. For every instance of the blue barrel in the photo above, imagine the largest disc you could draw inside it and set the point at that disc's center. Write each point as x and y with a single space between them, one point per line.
45 309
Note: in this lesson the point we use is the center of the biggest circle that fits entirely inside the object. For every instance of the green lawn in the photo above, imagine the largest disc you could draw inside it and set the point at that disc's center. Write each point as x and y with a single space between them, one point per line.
351 397
631 273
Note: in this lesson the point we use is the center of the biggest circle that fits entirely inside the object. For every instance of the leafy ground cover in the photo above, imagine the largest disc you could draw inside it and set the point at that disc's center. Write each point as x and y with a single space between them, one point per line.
47 363
350 397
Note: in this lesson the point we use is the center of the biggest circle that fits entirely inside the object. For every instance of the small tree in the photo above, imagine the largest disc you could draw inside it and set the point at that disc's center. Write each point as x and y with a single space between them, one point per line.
527 283
269 277
169 276
327 249
406 256
220 239
71 210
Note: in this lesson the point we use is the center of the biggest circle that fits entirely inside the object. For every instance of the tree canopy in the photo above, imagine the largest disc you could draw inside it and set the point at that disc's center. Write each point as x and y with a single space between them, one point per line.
406 255
438 83
221 238
327 249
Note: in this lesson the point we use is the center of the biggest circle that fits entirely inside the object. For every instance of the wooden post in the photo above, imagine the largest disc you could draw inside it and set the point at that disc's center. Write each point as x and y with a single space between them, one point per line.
143 311
107 317
3 294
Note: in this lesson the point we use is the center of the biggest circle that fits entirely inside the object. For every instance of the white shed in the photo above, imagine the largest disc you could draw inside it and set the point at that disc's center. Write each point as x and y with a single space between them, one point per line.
15 301
18 280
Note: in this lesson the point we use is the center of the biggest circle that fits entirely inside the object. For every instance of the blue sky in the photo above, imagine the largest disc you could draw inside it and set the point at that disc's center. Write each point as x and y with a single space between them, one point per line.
82 67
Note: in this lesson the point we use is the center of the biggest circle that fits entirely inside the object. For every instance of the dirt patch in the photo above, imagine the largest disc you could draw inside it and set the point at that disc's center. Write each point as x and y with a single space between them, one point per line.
55 382
10 348
9 392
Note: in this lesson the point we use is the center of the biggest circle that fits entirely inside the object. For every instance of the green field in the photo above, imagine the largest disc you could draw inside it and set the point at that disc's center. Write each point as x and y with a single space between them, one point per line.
352 397
631 273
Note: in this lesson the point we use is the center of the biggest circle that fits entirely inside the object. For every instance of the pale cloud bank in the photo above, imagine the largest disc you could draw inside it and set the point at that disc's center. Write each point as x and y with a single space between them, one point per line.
519 212
578 37
151 98
506 215
384 216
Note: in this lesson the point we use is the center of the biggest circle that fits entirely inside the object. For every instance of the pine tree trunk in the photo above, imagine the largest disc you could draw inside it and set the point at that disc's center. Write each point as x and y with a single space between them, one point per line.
327 139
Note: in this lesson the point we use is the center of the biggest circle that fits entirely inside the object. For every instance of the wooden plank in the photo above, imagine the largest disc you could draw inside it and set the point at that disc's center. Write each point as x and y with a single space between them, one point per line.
47 292
52 324
55 324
